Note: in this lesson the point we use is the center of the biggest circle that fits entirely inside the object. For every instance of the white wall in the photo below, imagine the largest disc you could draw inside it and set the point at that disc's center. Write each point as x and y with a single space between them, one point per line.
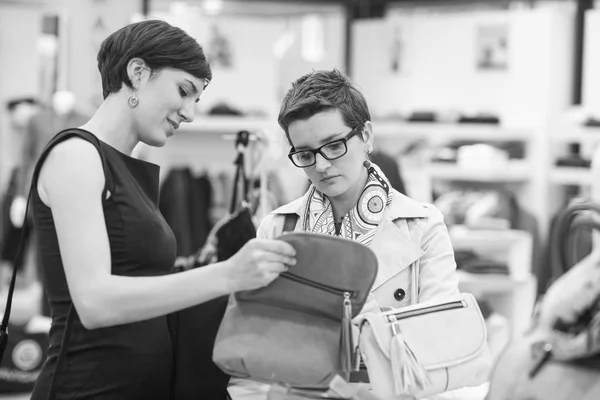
258 78
591 62
18 71
439 63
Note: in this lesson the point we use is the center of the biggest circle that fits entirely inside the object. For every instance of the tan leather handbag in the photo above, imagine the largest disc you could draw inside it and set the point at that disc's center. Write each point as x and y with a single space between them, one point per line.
297 331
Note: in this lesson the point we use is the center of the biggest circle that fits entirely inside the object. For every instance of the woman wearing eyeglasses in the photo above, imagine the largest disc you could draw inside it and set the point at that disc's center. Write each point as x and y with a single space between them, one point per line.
328 126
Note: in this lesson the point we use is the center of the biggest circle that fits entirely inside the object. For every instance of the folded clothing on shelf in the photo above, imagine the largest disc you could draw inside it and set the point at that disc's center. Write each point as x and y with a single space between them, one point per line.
477 208
573 161
422 116
479 119
471 262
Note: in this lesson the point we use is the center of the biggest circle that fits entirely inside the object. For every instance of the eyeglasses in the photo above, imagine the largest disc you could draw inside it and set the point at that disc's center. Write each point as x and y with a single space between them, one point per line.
329 151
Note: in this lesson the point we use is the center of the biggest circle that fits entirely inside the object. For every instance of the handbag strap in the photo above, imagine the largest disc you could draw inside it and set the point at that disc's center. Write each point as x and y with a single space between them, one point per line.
11 287
59 137
289 222
241 143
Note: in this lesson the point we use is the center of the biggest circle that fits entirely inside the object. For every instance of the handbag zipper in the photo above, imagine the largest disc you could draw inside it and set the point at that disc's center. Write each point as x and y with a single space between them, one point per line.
427 310
317 285
347 354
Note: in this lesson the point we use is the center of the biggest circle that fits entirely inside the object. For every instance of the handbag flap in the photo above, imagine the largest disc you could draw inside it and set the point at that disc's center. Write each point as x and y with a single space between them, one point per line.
441 333
326 267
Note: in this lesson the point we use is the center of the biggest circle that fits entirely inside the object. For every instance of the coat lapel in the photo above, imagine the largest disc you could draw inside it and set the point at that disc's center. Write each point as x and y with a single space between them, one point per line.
392 242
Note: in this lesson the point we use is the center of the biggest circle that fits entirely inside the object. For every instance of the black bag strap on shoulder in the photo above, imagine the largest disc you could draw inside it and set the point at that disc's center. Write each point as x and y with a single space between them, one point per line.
61 136
289 223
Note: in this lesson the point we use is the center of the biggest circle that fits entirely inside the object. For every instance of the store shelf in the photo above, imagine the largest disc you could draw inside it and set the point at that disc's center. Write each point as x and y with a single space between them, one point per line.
447 132
515 171
514 247
220 125
489 283
571 176
584 134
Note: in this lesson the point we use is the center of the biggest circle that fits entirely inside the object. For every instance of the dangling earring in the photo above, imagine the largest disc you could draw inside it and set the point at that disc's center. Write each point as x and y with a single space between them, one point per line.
133 100
367 162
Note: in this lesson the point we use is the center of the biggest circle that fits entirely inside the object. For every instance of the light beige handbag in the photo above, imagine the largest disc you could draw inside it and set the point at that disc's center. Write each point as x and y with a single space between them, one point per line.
426 348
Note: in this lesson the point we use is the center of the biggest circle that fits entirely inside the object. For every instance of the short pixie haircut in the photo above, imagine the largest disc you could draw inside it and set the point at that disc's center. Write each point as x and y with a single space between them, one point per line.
158 43
320 91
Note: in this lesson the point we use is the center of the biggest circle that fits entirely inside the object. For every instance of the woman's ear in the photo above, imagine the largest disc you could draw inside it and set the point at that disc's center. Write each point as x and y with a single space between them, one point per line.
367 134
135 71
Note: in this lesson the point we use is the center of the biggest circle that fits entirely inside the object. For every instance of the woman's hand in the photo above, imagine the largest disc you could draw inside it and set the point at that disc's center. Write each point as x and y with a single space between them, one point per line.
258 263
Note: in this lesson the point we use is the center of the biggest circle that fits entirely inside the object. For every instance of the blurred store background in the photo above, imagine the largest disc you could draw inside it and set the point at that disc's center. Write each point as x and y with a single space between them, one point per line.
489 109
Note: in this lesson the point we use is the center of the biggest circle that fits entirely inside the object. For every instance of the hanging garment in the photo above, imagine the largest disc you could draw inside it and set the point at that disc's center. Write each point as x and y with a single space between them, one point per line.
194 329
185 203
11 234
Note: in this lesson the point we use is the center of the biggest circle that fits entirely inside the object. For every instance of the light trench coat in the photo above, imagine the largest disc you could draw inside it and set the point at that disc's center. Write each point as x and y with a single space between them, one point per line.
410 235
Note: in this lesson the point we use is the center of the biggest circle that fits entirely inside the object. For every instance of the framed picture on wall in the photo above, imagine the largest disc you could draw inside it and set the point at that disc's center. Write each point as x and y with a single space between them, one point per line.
395 51
491 47
219 48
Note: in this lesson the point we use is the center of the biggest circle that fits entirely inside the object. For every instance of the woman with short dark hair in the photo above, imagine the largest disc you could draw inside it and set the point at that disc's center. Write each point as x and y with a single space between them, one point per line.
106 250
327 122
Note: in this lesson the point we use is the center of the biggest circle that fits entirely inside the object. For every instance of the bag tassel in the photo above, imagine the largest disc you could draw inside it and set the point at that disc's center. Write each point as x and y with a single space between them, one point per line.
409 375
346 339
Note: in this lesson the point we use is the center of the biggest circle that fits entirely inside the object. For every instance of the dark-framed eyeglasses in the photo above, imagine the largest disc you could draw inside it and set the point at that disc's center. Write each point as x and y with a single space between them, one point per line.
329 151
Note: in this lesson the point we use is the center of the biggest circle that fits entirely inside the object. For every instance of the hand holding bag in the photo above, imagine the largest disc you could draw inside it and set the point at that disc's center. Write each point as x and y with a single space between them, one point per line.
297 330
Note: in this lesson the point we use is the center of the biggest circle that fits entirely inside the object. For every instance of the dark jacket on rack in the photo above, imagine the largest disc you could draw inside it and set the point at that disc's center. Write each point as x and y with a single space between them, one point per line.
185 203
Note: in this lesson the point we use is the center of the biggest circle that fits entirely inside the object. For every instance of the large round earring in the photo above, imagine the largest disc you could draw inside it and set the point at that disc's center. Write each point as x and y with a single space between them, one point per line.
133 101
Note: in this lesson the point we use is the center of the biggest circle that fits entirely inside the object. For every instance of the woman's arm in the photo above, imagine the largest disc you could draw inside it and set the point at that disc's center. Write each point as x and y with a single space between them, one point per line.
437 265
71 184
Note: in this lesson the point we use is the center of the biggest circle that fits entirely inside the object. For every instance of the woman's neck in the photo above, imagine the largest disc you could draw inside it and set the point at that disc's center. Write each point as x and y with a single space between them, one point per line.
112 123
343 203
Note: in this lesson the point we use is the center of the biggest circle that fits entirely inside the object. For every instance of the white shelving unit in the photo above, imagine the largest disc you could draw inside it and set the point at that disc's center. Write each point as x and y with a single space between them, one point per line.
512 295
563 134
513 171
227 125
443 132
570 176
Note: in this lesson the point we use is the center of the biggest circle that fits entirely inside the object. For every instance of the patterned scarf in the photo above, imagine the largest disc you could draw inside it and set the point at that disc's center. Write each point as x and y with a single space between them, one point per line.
360 222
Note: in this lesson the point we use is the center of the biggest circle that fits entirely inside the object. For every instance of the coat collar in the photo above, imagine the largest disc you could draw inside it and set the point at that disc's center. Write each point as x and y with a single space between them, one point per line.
401 207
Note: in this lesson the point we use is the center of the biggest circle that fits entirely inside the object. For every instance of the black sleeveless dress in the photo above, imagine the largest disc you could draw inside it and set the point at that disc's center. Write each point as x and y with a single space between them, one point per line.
130 361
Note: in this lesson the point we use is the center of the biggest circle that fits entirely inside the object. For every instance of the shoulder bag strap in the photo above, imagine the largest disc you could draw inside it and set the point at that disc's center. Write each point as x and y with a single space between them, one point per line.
109 184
